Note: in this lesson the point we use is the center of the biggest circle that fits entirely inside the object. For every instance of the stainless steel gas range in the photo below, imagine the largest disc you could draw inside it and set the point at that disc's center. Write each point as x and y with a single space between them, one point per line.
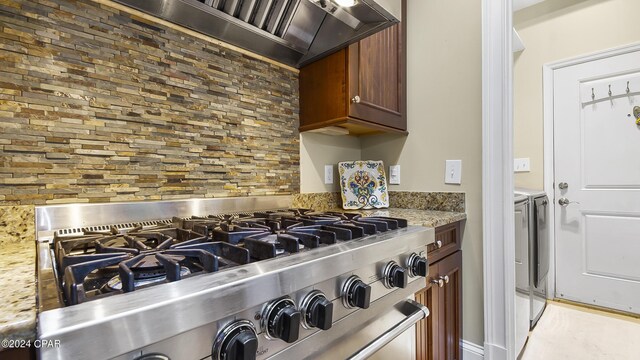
234 278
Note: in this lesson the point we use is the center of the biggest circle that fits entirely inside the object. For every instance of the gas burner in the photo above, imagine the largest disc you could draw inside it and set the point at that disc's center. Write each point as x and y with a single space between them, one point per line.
87 277
115 284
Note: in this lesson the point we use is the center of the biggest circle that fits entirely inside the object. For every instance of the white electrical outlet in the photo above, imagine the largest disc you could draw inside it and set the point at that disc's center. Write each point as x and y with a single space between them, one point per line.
394 175
521 165
328 174
453 172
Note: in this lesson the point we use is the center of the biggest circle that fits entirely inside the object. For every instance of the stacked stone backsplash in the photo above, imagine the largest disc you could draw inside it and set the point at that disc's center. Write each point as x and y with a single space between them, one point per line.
97 105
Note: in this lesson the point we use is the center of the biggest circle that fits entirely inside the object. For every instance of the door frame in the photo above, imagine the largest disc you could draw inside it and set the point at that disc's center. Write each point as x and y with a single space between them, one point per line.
498 230
548 136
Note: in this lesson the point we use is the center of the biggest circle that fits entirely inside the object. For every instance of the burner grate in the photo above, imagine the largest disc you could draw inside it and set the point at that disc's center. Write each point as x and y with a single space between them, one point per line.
98 261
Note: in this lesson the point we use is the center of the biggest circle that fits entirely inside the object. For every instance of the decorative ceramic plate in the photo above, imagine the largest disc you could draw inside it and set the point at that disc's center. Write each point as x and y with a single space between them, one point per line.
363 184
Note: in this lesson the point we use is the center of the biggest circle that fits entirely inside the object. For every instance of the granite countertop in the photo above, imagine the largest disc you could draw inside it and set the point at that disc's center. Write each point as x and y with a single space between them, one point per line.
427 218
17 273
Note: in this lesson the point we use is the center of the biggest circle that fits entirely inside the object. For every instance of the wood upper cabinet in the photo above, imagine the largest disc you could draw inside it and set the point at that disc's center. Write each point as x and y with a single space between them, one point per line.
360 88
438 336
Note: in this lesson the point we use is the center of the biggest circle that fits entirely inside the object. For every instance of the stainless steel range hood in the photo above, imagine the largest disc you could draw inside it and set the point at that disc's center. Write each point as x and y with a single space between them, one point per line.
293 32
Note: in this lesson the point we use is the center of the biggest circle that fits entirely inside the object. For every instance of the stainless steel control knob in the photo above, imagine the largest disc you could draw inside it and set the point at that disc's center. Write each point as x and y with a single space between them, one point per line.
355 293
317 311
394 275
281 320
153 356
418 265
236 341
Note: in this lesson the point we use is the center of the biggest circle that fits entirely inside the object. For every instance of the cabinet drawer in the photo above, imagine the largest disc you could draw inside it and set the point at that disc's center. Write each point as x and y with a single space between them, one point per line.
448 239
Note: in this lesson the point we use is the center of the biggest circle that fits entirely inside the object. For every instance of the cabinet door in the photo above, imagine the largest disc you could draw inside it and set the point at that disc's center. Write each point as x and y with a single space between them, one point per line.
450 320
377 78
427 330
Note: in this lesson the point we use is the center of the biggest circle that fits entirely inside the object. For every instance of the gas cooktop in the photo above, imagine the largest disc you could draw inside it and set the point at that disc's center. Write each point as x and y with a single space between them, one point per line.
99 261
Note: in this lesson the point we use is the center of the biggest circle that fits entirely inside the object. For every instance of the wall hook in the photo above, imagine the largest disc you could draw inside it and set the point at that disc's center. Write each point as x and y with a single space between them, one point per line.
628 91
609 90
593 94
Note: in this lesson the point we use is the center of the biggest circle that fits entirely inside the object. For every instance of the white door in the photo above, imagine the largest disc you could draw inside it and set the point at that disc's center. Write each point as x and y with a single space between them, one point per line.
597 155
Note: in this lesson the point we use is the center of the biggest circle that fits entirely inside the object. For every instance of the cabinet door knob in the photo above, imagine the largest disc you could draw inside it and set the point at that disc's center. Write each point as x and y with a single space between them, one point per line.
439 282
355 99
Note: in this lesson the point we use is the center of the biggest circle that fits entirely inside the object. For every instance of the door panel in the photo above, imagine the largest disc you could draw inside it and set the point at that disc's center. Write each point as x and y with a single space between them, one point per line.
377 78
619 264
607 132
596 142
427 330
451 297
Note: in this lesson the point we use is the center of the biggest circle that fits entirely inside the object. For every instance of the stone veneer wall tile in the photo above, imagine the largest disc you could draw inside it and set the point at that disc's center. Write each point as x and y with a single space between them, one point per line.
97 105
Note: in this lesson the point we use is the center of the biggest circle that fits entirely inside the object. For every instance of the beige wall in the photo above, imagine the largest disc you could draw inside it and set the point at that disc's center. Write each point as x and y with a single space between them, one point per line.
556 30
318 150
445 123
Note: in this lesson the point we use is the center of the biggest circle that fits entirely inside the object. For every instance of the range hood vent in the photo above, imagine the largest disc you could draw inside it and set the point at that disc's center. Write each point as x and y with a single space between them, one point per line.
293 32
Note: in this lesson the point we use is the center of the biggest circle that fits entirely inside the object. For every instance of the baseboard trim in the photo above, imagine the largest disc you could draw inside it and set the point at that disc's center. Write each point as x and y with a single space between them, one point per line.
471 351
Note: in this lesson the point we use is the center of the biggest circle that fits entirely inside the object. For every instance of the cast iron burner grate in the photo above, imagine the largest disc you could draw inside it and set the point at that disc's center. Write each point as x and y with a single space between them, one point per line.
107 260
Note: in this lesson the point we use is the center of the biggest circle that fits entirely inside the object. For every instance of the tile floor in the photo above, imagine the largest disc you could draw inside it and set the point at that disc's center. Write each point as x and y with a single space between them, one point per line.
571 332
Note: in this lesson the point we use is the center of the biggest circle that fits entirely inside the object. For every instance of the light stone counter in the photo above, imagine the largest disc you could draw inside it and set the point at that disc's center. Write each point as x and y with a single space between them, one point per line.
17 273
427 218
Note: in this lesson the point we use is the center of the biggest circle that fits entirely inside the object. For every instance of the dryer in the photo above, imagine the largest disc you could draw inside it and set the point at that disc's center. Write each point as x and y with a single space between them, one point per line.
539 250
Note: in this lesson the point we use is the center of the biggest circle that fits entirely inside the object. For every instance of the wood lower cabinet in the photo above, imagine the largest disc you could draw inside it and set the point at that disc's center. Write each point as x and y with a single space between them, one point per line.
19 354
448 239
438 336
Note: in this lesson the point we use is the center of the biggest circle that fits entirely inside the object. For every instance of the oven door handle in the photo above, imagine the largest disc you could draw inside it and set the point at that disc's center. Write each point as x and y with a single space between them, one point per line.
418 312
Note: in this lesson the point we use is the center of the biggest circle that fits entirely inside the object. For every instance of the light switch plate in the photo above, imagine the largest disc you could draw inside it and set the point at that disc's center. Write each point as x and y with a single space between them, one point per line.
521 165
328 174
453 172
394 174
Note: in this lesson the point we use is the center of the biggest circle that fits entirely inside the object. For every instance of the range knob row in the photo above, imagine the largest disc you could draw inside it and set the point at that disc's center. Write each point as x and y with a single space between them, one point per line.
281 319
